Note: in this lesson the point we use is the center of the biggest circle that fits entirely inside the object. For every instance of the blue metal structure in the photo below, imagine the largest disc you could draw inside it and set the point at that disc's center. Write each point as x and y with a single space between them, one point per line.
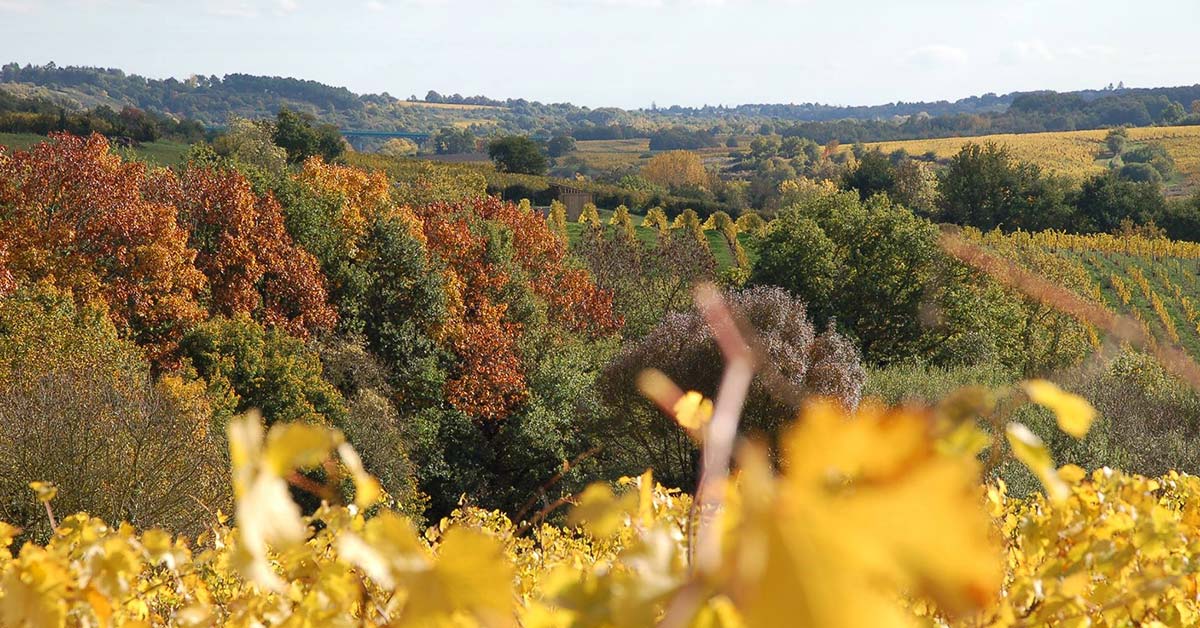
416 137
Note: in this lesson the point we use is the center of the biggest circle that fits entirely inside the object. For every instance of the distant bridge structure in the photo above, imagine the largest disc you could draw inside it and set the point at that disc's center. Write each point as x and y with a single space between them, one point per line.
416 137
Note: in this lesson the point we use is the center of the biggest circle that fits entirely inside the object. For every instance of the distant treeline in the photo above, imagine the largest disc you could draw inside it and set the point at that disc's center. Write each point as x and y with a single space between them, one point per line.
40 116
457 99
212 100
1028 113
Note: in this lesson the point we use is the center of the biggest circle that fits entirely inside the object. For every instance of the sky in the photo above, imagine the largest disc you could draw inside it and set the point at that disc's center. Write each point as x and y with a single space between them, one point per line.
629 53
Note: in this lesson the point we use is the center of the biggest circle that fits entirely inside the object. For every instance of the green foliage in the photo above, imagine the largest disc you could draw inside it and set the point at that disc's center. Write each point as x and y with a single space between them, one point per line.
1153 154
452 141
373 426
560 145
1105 201
1116 140
873 174
1140 173
302 136
517 154
917 382
864 264
249 367
986 187
403 303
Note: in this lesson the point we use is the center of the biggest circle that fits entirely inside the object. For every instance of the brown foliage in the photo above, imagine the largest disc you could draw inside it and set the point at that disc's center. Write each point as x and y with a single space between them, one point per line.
251 262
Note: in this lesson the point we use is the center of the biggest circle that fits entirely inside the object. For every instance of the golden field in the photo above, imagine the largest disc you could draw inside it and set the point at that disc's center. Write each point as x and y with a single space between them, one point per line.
1072 153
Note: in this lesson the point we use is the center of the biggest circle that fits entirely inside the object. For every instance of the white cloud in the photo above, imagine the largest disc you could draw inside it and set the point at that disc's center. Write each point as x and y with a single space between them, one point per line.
249 8
938 56
1034 50
15 6
375 5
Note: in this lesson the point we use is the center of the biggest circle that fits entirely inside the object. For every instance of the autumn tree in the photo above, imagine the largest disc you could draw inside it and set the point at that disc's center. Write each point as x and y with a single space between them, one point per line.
251 262
656 219
488 246
557 219
399 147
676 169
589 215
75 216
622 223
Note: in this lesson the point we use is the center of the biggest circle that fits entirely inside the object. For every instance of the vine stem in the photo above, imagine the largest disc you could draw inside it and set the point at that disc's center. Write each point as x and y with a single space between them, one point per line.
717 444
721 431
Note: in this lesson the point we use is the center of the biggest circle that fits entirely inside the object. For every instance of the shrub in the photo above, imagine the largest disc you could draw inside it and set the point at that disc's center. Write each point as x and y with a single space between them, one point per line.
78 408
637 435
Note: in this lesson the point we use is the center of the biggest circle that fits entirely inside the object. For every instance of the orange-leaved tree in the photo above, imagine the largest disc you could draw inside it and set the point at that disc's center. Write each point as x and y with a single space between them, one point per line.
496 258
74 215
251 262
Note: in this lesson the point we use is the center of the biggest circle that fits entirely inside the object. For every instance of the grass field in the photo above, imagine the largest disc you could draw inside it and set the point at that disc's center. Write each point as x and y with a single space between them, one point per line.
159 153
1072 153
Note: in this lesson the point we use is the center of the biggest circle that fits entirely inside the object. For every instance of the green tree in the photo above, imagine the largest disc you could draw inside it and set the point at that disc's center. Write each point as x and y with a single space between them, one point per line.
560 145
517 154
865 264
1105 200
302 136
986 187
1116 140
873 174
452 141
250 367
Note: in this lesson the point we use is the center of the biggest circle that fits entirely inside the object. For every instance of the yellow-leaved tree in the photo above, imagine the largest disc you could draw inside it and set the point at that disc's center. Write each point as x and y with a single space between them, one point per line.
676 169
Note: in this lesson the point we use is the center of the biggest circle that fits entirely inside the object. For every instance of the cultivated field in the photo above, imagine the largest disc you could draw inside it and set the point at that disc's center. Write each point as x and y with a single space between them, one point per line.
1157 282
1072 153
612 154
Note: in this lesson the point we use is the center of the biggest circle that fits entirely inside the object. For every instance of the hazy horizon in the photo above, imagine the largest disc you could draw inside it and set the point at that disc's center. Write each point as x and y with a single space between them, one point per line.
626 53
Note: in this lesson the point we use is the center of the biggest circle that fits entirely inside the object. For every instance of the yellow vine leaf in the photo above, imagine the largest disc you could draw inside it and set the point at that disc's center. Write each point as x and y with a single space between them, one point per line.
1032 452
366 488
1074 413
693 411
45 491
